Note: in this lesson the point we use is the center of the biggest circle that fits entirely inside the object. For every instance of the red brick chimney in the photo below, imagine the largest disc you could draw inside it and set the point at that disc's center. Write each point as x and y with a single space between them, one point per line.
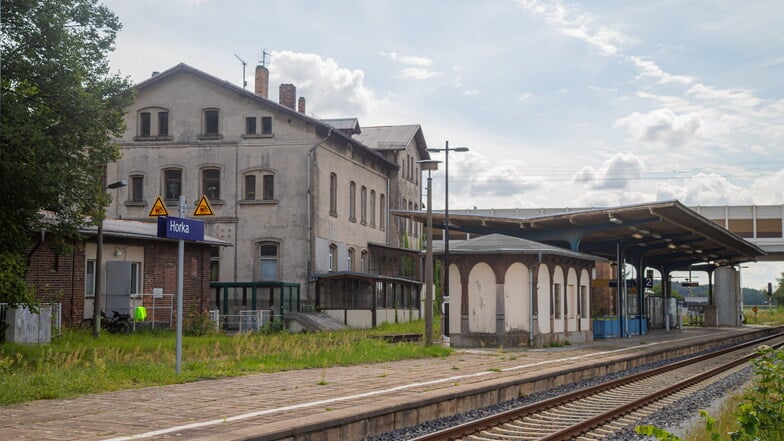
262 81
288 95
301 105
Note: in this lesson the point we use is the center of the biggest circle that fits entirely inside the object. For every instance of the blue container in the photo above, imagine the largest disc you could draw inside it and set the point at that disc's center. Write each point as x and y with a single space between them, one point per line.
606 327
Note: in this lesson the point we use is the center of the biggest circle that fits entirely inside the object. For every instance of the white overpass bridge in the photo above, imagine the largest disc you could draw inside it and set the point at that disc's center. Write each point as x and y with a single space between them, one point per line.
762 225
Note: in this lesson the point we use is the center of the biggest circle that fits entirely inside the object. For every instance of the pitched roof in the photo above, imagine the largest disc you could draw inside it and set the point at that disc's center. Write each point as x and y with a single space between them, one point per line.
385 138
502 244
349 125
327 129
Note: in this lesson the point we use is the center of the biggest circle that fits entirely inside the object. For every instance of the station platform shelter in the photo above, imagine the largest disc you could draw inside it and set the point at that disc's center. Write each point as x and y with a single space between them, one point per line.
631 244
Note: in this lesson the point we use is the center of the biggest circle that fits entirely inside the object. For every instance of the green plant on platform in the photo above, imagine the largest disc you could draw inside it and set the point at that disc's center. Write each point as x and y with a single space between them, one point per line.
197 323
760 416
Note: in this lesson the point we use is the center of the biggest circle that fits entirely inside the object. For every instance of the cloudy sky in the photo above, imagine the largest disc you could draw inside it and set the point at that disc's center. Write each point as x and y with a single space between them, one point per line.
562 103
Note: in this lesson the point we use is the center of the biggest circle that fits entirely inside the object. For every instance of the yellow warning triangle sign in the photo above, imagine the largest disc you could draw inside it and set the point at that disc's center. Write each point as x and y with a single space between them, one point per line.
203 208
158 208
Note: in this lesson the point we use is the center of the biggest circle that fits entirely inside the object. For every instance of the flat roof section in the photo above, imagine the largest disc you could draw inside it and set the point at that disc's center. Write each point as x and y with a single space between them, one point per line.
664 233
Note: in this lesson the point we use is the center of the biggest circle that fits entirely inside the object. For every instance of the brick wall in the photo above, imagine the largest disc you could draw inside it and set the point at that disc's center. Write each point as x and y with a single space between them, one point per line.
59 279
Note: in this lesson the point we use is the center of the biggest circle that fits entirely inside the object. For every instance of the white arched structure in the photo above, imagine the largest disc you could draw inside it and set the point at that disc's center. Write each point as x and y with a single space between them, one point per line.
516 301
481 303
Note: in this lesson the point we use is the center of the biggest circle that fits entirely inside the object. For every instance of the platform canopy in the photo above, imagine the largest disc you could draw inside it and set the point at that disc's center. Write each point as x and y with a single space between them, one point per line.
662 233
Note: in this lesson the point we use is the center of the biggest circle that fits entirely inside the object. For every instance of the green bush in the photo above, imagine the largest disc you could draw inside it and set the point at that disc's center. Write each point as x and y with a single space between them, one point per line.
760 416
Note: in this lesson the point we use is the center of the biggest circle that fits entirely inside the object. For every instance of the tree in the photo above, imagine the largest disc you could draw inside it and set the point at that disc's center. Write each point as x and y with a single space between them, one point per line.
778 293
60 109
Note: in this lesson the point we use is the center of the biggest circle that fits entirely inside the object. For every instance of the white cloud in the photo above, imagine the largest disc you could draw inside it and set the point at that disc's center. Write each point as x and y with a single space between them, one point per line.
662 126
577 25
614 173
470 92
769 189
650 69
704 189
418 73
407 59
733 98
524 97
330 90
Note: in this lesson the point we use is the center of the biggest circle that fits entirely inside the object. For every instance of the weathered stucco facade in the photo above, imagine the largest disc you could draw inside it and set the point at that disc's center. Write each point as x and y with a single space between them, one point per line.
294 195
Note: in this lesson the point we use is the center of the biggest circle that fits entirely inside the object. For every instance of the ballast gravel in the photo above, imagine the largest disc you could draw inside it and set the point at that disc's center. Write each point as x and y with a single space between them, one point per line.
673 418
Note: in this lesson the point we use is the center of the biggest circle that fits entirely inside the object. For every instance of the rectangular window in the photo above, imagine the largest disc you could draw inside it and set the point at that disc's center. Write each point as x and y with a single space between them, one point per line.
363 205
250 187
89 279
266 125
211 122
333 194
268 183
250 125
372 208
352 202
211 184
557 300
214 263
137 188
163 123
144 129
173 184
136 277
583 306
268 262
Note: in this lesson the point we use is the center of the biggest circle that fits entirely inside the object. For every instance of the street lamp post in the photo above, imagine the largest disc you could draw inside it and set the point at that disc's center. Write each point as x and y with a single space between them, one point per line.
445 278
429 165
99 269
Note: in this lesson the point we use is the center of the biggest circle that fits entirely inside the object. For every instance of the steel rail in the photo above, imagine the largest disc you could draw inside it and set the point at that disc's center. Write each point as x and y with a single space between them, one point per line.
485 423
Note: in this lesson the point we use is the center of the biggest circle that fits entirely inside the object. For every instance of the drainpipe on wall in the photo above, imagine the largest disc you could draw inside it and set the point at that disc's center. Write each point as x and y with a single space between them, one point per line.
311 240
531 294
236 210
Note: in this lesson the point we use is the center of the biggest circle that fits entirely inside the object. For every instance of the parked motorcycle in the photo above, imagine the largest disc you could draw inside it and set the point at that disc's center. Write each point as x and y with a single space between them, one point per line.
117 323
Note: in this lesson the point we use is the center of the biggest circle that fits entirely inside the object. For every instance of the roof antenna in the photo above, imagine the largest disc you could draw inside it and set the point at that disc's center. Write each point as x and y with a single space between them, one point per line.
244 81
263 57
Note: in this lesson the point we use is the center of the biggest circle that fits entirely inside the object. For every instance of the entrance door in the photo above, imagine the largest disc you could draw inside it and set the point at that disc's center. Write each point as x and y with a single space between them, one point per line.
118 287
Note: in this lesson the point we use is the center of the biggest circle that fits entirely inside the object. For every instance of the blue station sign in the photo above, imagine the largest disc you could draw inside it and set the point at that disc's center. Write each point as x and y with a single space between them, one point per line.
172 227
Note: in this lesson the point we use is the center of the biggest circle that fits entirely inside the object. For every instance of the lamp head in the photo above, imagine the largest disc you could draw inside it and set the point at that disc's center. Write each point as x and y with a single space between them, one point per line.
117 184
429 164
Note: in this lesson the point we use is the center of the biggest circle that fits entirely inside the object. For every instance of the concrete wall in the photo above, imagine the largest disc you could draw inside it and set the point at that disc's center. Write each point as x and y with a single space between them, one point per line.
727 296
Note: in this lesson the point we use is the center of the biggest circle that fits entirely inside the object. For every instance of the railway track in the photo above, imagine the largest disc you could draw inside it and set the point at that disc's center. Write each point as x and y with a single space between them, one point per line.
596 412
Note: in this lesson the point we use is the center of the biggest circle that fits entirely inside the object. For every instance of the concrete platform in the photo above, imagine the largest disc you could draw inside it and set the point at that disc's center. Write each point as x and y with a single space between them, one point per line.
364 399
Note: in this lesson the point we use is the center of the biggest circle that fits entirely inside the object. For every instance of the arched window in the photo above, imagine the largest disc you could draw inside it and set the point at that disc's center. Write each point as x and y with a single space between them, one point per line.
172 184
352 201
372 208
333 257
268 261
363 205
382 211
363 261
333 194
210 183
350 260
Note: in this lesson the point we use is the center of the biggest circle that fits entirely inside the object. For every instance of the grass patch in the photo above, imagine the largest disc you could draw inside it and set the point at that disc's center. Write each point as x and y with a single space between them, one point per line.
764 316
76 364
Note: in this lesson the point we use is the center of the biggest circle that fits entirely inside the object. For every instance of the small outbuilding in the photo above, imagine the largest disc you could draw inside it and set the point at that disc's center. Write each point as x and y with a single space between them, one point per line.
508 291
